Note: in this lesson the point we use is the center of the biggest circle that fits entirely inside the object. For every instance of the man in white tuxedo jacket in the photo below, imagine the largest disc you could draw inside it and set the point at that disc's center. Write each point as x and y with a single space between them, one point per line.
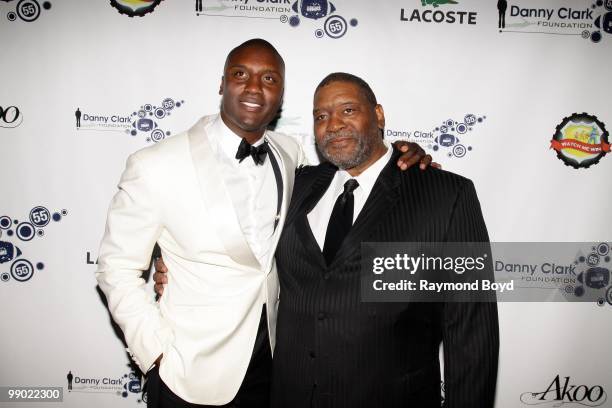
216 220
214 198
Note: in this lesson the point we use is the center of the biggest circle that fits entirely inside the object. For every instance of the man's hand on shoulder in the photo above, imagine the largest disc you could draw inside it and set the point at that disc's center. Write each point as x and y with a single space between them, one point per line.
159 277
412 154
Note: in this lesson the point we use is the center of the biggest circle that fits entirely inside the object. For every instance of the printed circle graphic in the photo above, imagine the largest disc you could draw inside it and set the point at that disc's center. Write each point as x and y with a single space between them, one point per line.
461 128
47 5
319 33
28 10
160 113
142 114
40 233
57 216
284 18
22 270
609 295
459 150
601 302
294 21
353 22
593 259
586 34
5 277
25 231
580 140
469 119
596 36
168 104
335 26
40 216
603 249
608 5
157 135
11 16
5 222
148 107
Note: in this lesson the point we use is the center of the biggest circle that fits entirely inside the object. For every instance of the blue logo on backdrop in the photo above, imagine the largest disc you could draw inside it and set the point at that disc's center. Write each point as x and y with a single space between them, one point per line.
27 10
21 269
322 13
146 120
451 136
593 275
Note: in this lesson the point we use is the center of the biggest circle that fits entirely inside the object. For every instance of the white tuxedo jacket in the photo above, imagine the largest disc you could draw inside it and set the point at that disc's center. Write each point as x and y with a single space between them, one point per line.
206 322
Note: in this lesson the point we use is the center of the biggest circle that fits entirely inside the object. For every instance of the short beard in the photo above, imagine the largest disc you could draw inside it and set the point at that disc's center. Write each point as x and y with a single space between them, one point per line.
361 154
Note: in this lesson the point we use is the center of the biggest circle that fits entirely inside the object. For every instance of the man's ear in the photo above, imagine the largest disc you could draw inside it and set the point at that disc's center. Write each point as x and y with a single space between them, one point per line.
380 116
221 86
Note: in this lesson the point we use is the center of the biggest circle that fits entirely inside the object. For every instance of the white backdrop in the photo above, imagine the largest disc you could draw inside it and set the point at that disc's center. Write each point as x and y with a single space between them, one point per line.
518 84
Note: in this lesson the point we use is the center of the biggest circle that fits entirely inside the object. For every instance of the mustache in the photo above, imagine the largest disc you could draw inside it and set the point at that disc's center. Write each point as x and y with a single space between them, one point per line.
331 136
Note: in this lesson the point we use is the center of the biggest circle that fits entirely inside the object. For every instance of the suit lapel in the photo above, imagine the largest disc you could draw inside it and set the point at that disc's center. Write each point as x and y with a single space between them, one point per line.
381 200
287 167
311 198
216 197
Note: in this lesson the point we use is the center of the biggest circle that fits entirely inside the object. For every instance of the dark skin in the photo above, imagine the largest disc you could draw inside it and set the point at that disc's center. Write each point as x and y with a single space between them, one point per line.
347 120
252 92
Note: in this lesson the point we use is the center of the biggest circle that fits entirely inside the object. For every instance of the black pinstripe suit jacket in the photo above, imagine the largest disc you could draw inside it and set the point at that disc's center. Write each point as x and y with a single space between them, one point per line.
333 350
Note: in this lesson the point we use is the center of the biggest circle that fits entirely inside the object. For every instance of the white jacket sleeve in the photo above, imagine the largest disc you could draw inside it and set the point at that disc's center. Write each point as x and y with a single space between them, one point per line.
132 228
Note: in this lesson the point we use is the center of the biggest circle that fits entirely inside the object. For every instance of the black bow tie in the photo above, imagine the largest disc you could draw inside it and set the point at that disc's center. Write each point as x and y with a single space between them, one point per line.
258 153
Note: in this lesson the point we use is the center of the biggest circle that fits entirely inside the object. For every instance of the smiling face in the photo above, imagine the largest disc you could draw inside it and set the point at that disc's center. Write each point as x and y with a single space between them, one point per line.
347 126
252 89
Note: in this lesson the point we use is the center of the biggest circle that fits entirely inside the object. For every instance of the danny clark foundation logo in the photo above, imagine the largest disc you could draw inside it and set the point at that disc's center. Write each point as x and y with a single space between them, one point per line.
26 10
15 263
135 8
580 140
588 19
563 390
148 120
438 12
452 136
321 16
124 386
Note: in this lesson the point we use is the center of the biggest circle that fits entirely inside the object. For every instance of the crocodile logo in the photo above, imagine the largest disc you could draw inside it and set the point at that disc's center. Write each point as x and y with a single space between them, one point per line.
437 3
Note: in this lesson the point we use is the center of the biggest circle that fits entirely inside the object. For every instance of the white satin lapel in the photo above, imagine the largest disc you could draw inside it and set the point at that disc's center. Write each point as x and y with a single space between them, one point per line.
217 199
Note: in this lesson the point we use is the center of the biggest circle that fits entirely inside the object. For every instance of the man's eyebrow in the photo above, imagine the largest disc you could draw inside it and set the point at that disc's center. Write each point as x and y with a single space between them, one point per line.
265 71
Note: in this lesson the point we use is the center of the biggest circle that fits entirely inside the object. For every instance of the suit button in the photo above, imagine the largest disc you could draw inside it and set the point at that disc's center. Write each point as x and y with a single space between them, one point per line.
326 276
321 315
312 354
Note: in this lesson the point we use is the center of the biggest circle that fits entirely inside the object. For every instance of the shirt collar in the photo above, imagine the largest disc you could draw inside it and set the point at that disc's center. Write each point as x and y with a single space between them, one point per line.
368 177
227 140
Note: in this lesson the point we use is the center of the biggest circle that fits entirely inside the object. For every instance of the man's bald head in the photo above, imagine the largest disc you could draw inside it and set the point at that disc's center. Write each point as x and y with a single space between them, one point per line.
254 43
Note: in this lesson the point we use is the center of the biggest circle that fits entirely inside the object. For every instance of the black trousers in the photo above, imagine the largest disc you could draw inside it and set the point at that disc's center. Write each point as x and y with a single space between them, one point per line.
254 392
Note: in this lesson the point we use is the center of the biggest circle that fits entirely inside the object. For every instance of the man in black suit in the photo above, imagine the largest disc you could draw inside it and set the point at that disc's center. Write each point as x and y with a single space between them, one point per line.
332 349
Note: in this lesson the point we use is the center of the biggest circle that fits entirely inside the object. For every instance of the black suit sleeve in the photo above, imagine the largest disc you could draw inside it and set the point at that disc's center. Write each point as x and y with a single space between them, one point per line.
470 331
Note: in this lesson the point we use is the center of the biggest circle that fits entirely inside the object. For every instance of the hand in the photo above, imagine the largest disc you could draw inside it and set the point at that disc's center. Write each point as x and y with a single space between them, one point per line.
413 154
159 277
158 360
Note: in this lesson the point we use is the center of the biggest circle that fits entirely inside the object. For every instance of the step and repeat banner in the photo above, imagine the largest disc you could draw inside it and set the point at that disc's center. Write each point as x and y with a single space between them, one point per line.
513 94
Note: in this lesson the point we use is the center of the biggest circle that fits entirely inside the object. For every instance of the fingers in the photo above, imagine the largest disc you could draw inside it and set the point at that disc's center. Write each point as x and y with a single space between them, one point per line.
159 289
160 278
160 266
425 162
411 156
436 165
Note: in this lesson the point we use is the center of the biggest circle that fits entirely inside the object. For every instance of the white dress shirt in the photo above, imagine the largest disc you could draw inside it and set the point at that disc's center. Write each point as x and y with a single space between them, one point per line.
319 217
252 189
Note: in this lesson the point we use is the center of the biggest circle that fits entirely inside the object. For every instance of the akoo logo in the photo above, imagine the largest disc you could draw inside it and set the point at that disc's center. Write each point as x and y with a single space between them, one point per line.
21 269
293 12
10 117
133 8
557 394
27 10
